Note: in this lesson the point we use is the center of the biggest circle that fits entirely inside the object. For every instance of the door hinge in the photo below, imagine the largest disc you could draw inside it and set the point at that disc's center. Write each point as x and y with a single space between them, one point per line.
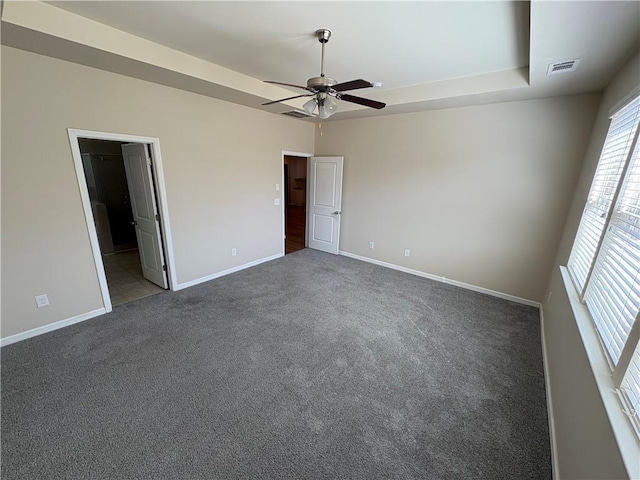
164 268
149 161
157 217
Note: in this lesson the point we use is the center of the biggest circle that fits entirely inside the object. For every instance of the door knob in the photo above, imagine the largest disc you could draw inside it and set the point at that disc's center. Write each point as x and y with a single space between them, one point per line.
336 213
133 222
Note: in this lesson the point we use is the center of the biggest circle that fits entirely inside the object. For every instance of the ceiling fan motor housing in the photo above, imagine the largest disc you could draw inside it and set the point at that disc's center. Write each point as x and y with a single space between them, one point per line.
321 84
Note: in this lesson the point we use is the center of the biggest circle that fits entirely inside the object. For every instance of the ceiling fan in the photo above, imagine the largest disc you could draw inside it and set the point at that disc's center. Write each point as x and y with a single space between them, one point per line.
323 88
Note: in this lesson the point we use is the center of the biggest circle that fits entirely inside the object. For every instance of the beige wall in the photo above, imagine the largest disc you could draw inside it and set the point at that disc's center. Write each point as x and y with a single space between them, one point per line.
478 194
585 443
221 163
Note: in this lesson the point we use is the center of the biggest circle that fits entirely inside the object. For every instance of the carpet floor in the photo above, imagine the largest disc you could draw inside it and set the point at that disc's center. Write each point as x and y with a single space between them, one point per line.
312 366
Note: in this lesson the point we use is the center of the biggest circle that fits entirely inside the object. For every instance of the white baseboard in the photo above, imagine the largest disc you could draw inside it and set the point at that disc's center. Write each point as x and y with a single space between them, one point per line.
213 276
547 387
437 278
34 332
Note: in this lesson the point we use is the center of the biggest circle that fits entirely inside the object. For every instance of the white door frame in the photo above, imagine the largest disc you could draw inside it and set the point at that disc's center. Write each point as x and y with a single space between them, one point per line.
158 174
294 154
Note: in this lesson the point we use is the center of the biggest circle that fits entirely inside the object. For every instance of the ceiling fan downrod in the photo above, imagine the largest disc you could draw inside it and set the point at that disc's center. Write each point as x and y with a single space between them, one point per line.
323 35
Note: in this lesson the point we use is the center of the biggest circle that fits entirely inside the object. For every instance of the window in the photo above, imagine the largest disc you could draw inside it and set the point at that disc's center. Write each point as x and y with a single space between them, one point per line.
605 260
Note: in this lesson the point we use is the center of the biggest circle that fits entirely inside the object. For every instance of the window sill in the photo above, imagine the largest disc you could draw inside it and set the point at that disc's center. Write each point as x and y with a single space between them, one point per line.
628 443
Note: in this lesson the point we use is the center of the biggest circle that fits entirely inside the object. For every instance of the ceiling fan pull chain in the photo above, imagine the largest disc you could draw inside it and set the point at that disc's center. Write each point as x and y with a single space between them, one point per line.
320 127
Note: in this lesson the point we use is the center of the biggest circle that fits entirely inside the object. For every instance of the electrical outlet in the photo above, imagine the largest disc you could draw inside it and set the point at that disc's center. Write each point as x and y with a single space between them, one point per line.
276 201
371 245
407 253
42 301
234 252
277 187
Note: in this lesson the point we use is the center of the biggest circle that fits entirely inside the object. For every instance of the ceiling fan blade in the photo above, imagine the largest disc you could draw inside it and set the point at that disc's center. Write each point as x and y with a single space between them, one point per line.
289 85
352 85
288 98
361 101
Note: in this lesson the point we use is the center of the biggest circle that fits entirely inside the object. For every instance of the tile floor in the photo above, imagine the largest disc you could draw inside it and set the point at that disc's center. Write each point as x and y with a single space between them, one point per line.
124 277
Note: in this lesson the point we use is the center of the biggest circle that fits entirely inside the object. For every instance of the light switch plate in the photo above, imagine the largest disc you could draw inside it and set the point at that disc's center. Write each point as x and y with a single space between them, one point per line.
276 201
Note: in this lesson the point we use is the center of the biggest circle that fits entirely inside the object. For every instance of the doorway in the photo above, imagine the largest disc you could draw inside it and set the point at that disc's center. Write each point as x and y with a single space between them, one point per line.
122 190
295 203
111 188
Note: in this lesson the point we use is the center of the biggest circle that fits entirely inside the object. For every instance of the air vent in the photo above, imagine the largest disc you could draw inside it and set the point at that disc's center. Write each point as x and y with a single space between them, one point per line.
560 67
297 114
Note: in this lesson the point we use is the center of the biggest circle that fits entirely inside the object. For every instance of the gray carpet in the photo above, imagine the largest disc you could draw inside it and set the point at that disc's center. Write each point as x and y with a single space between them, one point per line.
310 366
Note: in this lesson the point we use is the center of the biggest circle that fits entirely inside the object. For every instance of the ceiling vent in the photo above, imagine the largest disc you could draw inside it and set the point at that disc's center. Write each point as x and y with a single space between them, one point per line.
560 67
297 114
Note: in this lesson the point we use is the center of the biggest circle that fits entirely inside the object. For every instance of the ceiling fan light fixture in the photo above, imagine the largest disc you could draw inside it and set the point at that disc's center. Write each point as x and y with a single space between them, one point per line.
310 106
326 107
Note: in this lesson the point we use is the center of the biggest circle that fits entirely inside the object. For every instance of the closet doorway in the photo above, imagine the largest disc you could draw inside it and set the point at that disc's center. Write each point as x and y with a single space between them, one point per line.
118 180
295 202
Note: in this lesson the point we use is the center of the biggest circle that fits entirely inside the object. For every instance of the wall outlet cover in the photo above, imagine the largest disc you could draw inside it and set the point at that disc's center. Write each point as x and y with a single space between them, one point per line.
42 301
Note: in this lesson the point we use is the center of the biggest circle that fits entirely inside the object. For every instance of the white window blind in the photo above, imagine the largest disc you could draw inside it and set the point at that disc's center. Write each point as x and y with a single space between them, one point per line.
606 180
613 293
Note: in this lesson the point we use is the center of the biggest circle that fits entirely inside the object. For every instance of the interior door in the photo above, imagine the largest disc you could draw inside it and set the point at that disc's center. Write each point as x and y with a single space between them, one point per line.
325 203
137 166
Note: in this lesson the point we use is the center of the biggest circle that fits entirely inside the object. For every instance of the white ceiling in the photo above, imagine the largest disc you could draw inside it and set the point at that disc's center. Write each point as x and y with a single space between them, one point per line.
427 54
399 44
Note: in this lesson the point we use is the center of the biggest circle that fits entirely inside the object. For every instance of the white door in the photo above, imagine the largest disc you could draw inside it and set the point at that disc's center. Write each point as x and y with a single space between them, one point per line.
325 203
137 165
